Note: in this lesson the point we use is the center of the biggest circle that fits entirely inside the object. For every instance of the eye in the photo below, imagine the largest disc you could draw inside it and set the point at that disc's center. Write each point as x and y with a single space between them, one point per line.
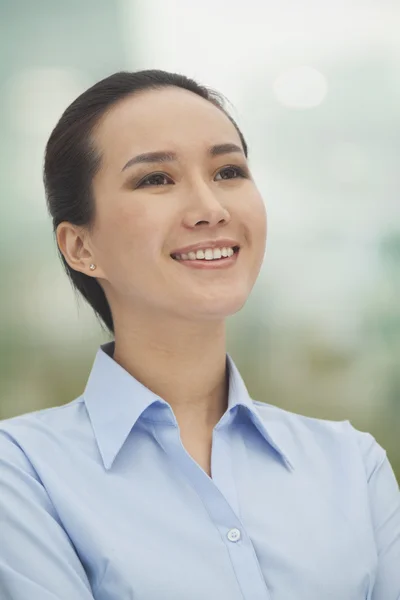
147 181
235 169
155 179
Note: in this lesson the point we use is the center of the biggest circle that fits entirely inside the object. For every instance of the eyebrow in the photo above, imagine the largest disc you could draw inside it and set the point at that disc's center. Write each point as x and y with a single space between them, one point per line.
166 156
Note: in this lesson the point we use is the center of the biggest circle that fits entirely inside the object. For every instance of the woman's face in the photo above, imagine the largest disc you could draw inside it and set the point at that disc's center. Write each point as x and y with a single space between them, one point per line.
147 210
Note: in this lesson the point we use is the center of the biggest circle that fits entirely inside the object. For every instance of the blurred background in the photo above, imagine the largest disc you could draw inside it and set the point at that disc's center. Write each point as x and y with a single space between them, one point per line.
315 87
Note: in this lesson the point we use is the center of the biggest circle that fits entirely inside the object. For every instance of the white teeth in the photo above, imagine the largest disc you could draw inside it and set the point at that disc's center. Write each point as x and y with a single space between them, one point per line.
207 254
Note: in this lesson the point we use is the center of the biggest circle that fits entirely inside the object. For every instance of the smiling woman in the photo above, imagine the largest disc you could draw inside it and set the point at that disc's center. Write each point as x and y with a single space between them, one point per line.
164 478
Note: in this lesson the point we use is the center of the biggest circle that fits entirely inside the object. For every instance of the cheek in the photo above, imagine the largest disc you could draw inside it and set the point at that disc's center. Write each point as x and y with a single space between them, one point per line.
254 216
134 232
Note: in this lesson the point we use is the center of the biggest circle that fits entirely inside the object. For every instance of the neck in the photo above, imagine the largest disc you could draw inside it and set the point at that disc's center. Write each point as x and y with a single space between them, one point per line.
183 363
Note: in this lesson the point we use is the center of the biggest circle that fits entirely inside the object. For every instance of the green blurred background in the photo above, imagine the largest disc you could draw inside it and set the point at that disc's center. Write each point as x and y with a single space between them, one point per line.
315 87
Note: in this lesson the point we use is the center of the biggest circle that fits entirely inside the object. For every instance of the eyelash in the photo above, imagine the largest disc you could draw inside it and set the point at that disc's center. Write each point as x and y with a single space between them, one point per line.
238 170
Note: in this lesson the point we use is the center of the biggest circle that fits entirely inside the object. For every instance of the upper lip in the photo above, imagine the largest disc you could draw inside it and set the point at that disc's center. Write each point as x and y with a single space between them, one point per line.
223 243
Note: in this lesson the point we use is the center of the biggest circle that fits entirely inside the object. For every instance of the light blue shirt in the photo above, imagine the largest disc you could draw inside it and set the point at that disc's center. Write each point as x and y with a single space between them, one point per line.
99 499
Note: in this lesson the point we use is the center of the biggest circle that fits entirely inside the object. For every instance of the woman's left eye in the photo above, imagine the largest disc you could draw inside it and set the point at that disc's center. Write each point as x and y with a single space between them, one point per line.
238 170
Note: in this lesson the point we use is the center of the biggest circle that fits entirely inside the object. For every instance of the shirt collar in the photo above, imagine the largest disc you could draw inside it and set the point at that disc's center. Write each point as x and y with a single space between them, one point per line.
115 400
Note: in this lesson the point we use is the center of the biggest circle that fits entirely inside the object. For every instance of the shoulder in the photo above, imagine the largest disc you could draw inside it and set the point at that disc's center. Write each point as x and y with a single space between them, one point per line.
310 435
34 433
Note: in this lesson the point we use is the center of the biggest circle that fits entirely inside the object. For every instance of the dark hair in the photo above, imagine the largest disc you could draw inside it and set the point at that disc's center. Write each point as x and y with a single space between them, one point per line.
71 160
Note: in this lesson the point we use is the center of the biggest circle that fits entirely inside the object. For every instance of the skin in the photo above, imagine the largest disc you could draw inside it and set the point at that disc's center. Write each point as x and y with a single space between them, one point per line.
169 319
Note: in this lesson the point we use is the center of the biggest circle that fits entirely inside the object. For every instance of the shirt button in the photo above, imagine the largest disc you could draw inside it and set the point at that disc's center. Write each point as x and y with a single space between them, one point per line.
233 535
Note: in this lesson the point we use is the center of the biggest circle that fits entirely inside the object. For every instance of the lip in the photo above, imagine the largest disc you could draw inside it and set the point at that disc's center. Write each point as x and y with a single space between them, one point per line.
222 243
223 263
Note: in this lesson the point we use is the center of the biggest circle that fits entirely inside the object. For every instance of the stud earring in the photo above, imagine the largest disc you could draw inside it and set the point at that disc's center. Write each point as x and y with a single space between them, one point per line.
92 267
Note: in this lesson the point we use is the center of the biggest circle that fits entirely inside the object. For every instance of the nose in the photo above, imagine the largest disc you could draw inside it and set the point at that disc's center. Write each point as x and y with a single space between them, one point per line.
205 208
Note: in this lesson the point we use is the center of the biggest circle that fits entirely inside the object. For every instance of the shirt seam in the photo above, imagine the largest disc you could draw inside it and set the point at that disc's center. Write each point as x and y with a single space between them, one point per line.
148 420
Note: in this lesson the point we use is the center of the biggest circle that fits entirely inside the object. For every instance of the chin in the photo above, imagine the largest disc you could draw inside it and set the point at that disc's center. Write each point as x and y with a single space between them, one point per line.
220 309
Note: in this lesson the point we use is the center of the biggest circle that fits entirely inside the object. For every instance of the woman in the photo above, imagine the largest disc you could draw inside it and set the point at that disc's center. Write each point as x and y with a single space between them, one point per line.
164 479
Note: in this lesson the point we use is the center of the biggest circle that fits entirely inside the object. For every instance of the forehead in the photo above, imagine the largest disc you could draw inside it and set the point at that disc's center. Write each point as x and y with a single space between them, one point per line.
167 119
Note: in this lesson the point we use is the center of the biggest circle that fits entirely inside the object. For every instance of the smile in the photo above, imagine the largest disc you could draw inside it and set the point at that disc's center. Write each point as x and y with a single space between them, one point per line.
215 258
208 254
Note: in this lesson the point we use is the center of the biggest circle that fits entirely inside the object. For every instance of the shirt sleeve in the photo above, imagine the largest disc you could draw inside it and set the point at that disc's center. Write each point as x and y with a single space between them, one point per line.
384 495
37 558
